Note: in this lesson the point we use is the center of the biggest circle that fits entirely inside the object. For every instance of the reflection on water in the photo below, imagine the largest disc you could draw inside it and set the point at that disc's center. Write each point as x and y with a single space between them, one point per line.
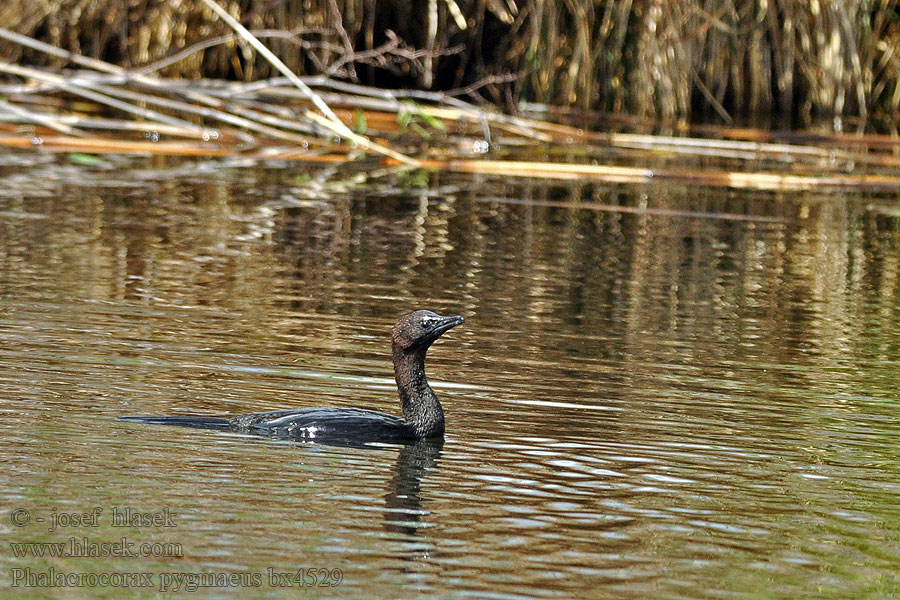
690 397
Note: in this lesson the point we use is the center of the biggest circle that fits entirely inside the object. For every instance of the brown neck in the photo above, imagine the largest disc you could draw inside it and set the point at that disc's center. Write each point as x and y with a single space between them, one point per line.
421 408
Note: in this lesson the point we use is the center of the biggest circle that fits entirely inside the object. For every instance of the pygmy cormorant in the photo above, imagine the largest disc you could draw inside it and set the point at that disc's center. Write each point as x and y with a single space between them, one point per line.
423 416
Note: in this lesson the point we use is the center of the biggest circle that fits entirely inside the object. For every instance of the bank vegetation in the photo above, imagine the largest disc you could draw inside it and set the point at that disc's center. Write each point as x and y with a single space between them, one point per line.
434 82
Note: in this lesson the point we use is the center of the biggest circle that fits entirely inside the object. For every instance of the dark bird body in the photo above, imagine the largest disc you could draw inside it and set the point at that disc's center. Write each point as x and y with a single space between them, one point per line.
423 416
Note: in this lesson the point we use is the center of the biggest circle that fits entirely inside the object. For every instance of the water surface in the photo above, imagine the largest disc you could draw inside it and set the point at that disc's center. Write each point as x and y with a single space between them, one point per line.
694 396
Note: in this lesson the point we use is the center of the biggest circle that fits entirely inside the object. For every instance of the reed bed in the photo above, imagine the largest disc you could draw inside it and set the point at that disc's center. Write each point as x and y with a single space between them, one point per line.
58 100
781 62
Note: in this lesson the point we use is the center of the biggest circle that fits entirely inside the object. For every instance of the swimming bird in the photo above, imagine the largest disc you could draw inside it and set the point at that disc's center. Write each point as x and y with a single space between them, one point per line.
423 416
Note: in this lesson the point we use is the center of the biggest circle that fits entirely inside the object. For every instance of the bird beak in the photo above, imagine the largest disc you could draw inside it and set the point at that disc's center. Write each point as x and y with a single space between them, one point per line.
447 324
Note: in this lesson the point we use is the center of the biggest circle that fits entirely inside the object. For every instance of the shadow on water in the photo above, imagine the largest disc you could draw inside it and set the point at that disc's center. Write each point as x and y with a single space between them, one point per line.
404 504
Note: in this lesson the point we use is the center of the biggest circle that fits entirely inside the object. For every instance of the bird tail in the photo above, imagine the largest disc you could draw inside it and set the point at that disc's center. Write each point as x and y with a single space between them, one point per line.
198 422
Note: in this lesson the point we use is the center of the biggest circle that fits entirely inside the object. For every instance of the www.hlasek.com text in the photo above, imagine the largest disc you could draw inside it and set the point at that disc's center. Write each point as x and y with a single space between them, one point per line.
83 547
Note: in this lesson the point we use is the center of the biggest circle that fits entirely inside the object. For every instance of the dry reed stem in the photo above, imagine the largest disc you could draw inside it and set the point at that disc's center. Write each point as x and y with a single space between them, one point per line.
329 120
72 144
529 169
50 121
711 178
63 83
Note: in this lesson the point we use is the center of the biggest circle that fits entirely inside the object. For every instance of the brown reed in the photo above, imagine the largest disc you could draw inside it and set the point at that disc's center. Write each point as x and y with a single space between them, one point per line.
771 62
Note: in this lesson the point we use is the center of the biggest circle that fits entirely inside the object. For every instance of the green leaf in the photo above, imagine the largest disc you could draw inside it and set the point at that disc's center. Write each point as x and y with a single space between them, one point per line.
432 121
426 135
359 123
85 160
404 117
